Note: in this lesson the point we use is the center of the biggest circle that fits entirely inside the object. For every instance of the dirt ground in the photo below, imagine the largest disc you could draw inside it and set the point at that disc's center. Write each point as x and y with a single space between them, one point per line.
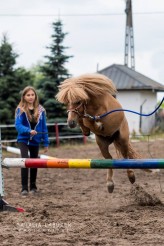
73 207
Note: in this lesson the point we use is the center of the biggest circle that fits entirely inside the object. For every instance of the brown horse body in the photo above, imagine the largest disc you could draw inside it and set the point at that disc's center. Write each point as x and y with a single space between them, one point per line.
93 95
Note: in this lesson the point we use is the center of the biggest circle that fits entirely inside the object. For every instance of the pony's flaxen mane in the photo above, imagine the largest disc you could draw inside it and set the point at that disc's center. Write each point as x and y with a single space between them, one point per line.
79 88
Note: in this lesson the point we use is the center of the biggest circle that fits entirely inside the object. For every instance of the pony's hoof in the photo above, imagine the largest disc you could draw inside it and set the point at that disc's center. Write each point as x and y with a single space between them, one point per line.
132 179
110 186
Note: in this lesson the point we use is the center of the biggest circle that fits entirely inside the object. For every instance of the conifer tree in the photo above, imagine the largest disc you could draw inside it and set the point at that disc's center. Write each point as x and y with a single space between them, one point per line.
54 71
12 81
7 58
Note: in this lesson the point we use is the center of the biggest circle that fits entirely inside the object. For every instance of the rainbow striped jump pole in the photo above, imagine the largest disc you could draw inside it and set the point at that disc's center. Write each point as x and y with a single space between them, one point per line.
84 163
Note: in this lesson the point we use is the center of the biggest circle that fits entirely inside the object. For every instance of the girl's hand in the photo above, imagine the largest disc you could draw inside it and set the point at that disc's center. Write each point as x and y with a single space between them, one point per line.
45 149
33 132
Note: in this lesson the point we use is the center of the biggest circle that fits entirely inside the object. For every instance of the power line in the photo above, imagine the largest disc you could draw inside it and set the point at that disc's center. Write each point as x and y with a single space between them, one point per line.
79 15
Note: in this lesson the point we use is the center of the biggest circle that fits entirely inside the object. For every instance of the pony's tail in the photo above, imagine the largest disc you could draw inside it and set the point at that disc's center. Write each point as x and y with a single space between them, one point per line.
130 153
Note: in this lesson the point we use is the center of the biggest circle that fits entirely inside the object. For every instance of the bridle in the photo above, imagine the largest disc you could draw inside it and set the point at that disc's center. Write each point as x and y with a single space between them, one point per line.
75 110
84 114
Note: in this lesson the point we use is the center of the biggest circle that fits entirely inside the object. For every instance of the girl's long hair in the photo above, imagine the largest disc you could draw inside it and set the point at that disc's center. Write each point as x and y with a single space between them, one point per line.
24 106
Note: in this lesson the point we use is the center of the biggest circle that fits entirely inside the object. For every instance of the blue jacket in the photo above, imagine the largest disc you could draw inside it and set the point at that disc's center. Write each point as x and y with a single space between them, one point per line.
23 128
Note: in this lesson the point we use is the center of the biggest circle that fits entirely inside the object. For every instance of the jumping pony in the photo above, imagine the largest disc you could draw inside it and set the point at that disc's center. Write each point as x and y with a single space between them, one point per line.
92 95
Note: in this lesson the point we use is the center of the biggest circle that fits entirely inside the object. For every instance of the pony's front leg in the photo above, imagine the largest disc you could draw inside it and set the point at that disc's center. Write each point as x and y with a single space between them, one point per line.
85 130
103 144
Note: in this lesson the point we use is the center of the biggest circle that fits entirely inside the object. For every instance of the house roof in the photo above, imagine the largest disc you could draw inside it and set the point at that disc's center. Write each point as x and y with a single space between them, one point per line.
125 78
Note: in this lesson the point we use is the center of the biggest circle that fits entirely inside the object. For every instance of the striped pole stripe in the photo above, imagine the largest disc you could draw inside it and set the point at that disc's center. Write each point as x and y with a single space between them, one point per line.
85 163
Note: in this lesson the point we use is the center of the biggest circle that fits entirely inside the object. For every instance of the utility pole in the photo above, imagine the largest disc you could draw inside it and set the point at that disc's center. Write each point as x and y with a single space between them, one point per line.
129 38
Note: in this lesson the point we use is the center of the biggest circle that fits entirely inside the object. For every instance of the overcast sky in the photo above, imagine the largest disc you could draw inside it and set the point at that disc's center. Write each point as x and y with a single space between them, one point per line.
96 32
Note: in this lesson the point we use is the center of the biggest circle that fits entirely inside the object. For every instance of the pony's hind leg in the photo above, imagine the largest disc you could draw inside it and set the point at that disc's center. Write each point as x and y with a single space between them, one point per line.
109 180
103 144
124 147
126 150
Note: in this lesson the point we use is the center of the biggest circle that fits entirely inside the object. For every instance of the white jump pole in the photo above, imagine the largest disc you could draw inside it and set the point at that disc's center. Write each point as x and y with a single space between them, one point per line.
17 152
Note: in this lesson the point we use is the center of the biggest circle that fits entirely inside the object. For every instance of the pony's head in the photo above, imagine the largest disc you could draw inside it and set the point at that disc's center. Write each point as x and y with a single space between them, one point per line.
78 91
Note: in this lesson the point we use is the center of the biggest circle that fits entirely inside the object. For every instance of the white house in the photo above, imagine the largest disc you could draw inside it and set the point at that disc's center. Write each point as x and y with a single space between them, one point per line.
136 92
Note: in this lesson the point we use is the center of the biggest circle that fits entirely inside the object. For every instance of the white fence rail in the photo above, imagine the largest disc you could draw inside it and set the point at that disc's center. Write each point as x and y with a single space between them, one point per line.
56 135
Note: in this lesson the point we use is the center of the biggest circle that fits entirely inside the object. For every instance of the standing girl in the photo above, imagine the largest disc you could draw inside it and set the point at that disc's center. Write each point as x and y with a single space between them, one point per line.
30 123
